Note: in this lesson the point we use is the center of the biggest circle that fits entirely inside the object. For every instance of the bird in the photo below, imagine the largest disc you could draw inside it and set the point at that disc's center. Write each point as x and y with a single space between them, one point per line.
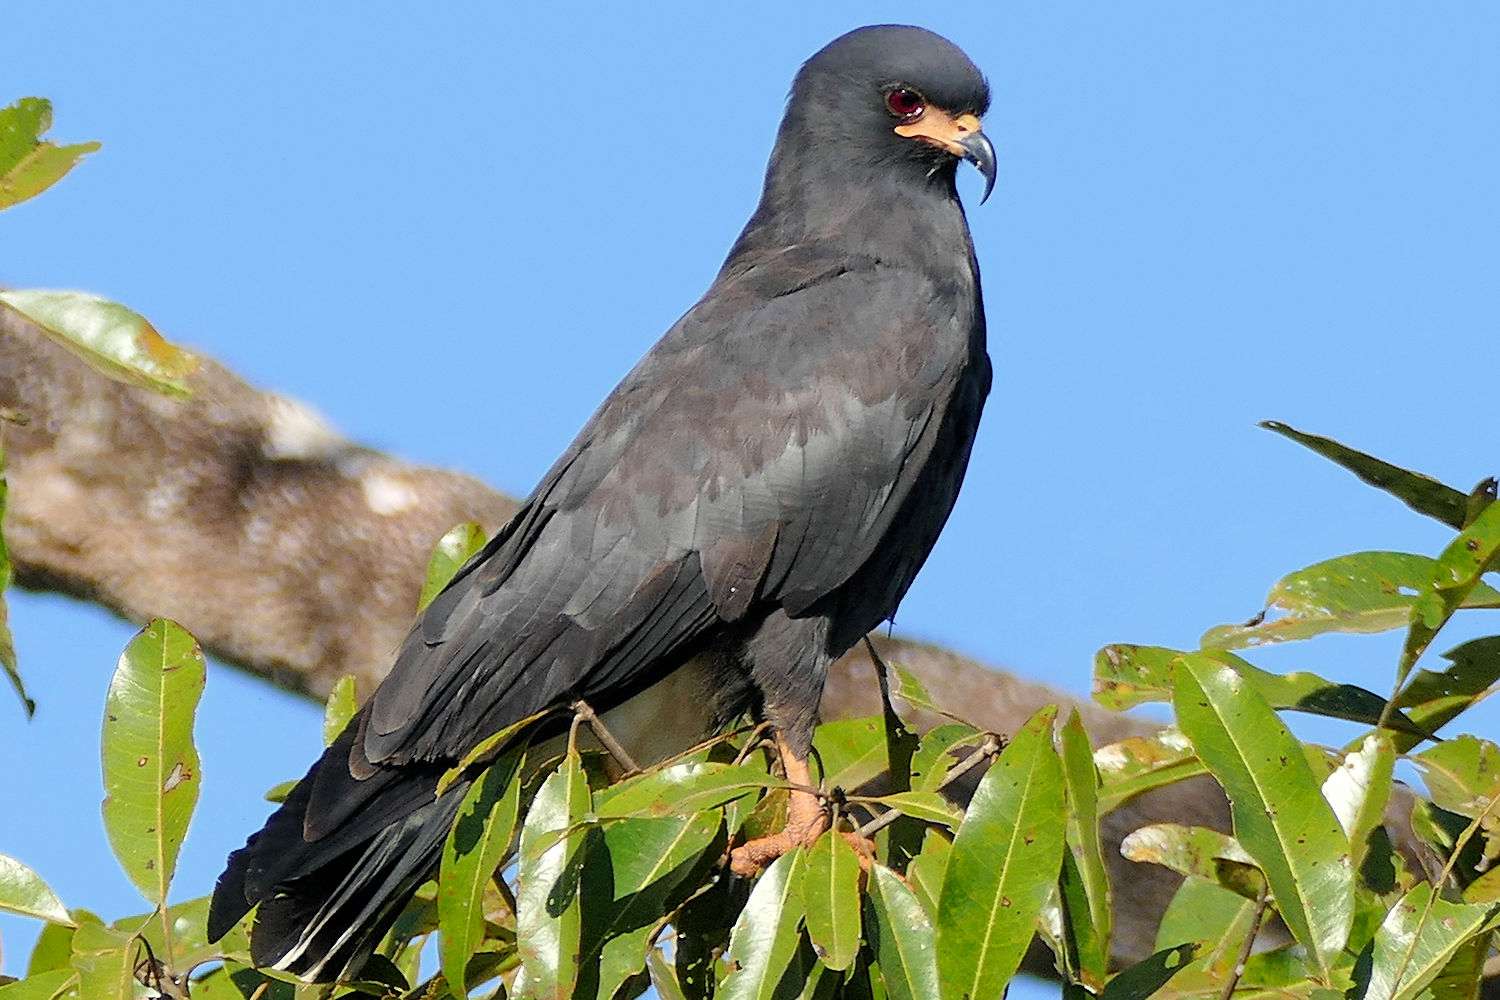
755 496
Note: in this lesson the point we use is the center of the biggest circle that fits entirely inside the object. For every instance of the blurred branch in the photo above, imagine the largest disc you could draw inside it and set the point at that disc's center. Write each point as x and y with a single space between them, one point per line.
297 555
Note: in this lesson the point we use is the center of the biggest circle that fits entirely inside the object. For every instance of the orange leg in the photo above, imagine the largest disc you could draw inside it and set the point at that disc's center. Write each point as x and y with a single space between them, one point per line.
806 820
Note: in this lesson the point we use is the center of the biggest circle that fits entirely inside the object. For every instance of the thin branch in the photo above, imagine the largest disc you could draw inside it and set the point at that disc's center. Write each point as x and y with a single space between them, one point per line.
582 709
987 749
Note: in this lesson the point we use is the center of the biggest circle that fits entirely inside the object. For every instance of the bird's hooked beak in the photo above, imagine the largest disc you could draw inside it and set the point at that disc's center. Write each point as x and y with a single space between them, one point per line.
961 135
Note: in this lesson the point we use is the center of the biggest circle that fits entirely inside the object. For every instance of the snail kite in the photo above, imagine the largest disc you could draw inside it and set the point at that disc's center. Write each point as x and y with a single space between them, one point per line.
755 496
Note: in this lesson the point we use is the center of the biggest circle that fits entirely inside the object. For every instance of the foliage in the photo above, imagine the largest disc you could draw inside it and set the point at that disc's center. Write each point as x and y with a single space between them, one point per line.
557 881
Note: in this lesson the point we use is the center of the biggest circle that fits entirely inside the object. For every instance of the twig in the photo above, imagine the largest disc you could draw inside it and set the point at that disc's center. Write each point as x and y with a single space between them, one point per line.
503 888
755 742
987 749
882 675
1248 946
583 710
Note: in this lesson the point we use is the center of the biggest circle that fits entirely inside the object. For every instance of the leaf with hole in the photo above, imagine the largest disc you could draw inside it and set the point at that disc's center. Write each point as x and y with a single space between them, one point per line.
151 770
1363 592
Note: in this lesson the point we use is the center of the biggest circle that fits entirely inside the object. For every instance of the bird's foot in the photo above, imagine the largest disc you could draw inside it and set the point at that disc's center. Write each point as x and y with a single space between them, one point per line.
806 819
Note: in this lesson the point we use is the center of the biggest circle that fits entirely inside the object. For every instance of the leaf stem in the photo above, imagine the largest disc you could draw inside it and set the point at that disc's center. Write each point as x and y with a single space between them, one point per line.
1249 945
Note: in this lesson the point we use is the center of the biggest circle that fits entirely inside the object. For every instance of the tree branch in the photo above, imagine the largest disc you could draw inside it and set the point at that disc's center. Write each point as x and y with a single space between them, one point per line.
297 555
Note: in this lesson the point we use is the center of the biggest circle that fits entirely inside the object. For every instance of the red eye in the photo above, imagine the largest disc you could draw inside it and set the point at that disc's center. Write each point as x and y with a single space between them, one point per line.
905 103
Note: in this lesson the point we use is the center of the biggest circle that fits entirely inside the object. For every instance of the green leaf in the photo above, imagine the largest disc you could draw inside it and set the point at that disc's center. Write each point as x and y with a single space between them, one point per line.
1359 789
683 789
664 977
1463 776
1485 888
831 891
112 339
1432 699
1422 494
903 943
940 749
928 806
279 791
53 948
1127 675
549 920
1085 881
1195 851
1454 578
851 751
452 550
926 871
23 891
1363 592
1420 935
151 771
1005 860
7 644
476 845
1463 977
28 165
1280 816
105 960
342 704
1203 910
765 937
651 868
1145 978
1141 763
486 749
189 921
42 986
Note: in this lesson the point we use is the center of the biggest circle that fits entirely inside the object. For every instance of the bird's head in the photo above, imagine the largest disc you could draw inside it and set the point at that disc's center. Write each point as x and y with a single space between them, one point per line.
892 95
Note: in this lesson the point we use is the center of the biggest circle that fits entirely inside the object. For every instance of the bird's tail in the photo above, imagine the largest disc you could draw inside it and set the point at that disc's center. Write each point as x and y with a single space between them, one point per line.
325 904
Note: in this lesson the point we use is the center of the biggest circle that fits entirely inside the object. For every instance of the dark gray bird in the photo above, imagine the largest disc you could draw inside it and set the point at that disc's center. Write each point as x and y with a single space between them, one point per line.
755 496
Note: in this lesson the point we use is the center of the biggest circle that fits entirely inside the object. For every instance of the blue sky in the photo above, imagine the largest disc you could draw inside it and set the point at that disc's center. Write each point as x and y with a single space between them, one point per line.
453 230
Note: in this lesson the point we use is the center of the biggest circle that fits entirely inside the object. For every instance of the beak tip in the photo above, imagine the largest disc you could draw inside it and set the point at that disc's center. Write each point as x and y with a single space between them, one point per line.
979 151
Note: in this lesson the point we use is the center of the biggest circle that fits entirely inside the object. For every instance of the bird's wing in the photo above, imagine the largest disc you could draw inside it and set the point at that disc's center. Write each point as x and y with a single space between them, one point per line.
754 455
